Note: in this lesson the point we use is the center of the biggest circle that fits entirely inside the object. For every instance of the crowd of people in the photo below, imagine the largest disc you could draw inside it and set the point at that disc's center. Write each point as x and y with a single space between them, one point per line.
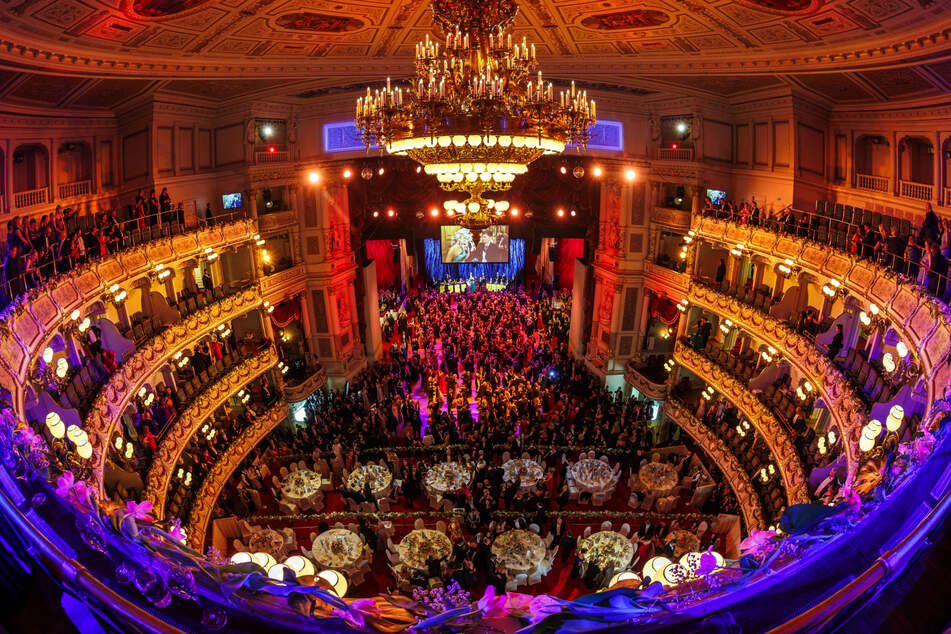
37 249
469 377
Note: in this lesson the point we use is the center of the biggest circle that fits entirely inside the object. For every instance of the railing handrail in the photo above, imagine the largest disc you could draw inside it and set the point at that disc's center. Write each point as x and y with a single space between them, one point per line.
818 222
140 230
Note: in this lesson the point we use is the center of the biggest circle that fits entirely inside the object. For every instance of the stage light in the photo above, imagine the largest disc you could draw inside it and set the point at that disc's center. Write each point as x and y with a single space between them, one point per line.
314 177
267 131
390 213
563 169
514 211
573 213
560 213
419 168
681 127
596 171
271 149
630 174
376 214
347 173
381 171
673 146
434 212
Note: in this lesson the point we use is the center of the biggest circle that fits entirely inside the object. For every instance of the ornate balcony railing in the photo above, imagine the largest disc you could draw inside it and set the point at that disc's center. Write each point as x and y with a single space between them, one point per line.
277 156
71 190
920 319
915 191
311 383
118 392
30 198
174 443
871 183
647 385
780 446
675 154
845 407
222 470
723 458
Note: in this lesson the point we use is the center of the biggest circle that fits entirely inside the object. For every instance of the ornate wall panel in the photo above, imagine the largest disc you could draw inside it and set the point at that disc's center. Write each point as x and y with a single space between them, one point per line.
725 461
782 448
920 320
181 432
221 471
122 386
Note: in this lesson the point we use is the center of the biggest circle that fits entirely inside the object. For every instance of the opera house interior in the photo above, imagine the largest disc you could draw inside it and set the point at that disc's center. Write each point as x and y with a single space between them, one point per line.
475 316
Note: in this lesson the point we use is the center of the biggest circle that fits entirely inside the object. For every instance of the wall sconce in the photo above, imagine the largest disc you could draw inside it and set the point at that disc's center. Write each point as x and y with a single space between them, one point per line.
769 354
726 326
833 289
224 331
116 294
873 319
180 359
258 240
129 450
895 418
283 367
870 434
822 445
708 393
80 439
210 254
683 305
268 307
161 272
665 333
683 252
54 423
787 268
669 365
738 249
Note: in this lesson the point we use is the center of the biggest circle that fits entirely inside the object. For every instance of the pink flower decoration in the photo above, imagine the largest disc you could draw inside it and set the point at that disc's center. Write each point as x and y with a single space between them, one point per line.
176 533
64 484
139 510
543 606
757 543
492 607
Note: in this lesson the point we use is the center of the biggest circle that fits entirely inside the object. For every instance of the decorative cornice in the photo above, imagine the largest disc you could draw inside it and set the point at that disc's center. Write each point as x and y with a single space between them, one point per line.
122 386
782 448
288 282
921 320
184 427
725 461
220 473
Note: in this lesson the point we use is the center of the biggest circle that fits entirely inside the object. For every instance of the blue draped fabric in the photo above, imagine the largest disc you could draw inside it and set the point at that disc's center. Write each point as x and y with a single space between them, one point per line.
509 270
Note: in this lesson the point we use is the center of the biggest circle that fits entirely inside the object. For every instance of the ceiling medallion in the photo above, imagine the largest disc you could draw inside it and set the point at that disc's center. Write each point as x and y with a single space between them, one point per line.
478 111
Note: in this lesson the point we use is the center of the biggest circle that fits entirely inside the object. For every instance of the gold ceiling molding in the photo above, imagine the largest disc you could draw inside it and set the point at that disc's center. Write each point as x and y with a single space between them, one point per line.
35 317
922 321
204 406
122 386
780 446
224 467
725 461
848 412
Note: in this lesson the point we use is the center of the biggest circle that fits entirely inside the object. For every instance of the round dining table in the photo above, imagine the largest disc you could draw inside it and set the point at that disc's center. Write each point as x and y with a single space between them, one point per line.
378 477
447 477
591 475
519 551
684 542
267 541
527 471
301 484
660 478
420 545
607 548
338 548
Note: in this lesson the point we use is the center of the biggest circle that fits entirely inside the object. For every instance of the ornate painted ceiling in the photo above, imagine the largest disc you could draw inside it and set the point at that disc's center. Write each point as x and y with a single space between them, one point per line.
858 45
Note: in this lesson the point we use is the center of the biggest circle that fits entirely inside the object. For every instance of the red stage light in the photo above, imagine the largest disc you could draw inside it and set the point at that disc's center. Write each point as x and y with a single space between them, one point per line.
673 146
514 211
380 171
433 212
376 214
561 213
564 170
390 213
573 213
347 173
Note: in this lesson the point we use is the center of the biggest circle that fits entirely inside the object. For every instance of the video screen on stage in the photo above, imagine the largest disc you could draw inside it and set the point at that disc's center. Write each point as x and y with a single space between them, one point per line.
461 244
716 196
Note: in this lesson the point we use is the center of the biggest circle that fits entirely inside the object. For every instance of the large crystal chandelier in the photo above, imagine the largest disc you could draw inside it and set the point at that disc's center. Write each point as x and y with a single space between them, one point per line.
478 111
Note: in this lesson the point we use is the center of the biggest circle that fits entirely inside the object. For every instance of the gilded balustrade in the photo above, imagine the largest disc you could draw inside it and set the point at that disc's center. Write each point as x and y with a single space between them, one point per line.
780 446
723 458
922 321
221 471
178 436
34 317
122 386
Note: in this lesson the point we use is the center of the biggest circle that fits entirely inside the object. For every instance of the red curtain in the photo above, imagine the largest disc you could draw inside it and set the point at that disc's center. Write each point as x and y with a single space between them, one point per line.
664 310
387 271
567 250
286 312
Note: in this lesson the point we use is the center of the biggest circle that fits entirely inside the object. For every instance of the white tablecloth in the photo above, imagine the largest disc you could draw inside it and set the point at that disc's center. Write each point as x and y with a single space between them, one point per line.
528 471
607 548
378 476
301 484
519 551
446 477
338 548
591 475
416 548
